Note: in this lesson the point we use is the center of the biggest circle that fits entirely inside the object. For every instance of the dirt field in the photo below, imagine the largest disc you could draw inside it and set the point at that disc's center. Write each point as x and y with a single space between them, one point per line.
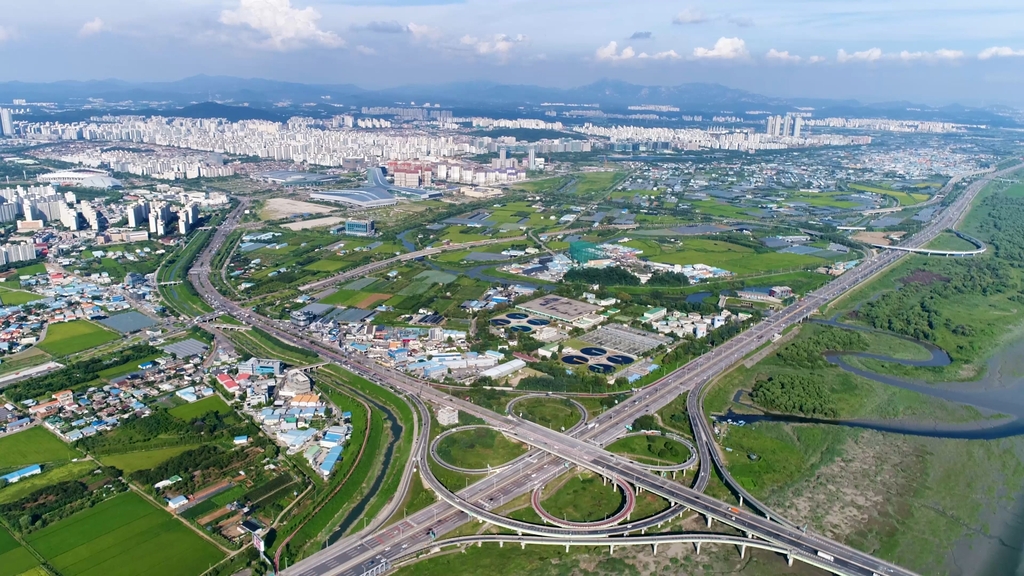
371 300
306 224
284 207
923 277
876 237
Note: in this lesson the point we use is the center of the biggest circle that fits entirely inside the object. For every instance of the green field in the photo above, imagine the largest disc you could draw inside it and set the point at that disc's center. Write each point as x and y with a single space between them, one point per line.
32 270
655 450
582 498
478 448
124 536
904 198
144 459
25 359
326 265
732 257
950 241
67 338
200 407
554 413
52 474
15 559
17 297
33 446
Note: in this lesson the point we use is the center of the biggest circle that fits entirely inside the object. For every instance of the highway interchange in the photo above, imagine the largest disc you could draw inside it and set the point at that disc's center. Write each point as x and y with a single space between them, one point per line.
583 447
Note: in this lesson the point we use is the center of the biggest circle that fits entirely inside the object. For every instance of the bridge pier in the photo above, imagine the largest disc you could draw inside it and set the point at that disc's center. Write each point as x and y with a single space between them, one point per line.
479 544
709 521
789 559
611 549
523 545
566 548
655 548
697 544
501 544
741 501
519 532
743 550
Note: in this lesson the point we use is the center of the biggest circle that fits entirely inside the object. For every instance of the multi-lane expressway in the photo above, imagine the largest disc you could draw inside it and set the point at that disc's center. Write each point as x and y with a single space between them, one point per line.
584 451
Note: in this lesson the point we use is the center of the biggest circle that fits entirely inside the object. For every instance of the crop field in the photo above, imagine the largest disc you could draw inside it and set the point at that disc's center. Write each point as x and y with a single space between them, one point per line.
732 257
200 407
545 185
594 183
355 298
21 360
33 446
52 474
714 207
822 200
15 559
904 198
124 536
326 265
17 297
437 276
66 338
144 459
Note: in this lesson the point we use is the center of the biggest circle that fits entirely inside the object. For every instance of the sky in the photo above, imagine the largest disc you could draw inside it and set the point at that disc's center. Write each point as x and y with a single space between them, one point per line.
928 51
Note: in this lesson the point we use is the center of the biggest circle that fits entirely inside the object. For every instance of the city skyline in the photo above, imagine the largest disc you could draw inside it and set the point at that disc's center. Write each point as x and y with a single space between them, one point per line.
872 51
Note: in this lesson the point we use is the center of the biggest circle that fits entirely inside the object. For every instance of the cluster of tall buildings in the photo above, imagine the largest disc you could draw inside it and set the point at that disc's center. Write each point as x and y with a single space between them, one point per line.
785 126
158 217
10 253
892 125
41 205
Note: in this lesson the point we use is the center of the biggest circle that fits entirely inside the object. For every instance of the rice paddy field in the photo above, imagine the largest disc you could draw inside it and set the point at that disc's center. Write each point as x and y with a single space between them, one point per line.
737 259
15 559
66 338
33 446
124 536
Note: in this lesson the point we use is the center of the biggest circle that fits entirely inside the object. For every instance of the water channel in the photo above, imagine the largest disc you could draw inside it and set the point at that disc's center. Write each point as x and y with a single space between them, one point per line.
396 434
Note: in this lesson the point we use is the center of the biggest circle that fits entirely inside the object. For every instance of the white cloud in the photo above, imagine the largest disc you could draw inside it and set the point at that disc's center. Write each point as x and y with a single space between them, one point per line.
611 52
285 27
419 31
869 55
94 26
741 21
941 54
815 59
999 52
725 49
782 56
666 55
6 34
690 16
500 44
365 50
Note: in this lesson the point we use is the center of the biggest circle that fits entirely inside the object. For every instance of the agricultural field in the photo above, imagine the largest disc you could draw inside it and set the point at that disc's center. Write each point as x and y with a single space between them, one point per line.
200 407
33 446
124 536
594 183
65 338
129 462
904 198
52 474
15 559
9 297
739 260
25 359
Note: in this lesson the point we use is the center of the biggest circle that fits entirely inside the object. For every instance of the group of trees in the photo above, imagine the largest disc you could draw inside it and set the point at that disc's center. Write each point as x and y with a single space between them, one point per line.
162 429
558 379
186 464
795 393
604 276
75 374
809 352
59 500
669 280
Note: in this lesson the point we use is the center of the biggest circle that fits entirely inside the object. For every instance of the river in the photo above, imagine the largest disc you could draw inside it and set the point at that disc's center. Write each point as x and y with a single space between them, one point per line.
995 543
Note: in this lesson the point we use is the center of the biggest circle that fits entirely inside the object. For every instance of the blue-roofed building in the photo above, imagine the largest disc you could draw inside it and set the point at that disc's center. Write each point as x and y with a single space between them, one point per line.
331 460
177 502
23 473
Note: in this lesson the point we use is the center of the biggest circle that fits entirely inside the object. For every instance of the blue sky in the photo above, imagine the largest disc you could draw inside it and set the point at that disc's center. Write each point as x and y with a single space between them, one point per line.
933 51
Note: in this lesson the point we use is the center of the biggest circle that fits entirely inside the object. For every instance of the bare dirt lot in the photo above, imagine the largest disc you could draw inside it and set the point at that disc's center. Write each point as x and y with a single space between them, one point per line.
315 223
876 237
285 207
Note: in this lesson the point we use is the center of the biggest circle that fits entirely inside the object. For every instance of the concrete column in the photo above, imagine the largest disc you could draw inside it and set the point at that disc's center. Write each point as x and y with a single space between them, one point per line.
741 501
501 543
523 544
743 550
519 532
643 530
611 549
697 544
566 548
789 559
709 521
479 544
604 481
655 548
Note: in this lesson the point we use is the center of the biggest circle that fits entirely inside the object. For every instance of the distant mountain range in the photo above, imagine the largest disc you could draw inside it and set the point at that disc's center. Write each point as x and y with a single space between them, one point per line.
272 99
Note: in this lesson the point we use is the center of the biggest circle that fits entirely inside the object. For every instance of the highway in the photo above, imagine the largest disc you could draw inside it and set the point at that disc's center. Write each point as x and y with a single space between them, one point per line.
585 450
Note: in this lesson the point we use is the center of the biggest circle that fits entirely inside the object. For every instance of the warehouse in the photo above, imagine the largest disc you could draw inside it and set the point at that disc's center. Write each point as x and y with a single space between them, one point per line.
506 369
559 308
23 473
372 198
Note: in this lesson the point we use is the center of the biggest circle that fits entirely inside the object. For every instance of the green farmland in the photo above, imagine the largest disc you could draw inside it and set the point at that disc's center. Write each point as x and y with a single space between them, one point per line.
33 446
14 558
124 536
200 407
67 338
144 459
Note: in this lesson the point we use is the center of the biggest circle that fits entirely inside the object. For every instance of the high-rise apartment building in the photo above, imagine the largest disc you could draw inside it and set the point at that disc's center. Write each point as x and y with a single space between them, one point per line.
6 124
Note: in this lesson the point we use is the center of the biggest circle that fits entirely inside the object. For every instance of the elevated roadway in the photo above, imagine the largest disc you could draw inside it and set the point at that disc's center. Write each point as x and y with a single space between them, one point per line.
585 451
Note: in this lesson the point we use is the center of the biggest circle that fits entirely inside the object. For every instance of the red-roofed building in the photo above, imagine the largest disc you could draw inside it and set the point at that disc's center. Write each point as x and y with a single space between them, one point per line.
228 383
